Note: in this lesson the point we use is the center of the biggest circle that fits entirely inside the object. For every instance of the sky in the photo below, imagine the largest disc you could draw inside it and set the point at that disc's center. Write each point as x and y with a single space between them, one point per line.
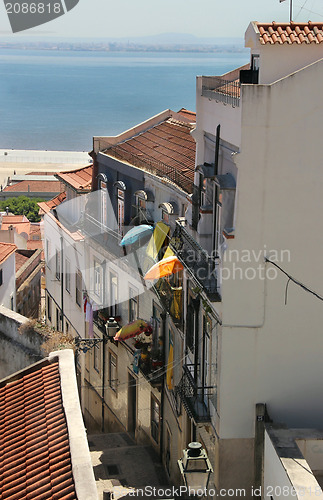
132 18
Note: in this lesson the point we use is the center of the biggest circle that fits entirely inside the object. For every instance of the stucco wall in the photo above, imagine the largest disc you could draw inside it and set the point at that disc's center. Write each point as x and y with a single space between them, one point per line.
271 351
8 287
16 350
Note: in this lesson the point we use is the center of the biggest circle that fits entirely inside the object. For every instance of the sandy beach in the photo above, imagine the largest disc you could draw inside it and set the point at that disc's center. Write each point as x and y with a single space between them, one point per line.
21 162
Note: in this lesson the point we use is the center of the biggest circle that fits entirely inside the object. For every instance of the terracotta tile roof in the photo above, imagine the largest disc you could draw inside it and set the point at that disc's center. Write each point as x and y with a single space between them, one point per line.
79 179
19 222
47 206
34 187
290 33
20 260
35 458
189 114
166 149
6 249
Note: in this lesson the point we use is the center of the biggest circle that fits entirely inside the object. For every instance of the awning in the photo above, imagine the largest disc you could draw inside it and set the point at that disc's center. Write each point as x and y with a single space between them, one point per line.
170 208
165 267
135 234
169 253
225 181
157 240
120 185
145 195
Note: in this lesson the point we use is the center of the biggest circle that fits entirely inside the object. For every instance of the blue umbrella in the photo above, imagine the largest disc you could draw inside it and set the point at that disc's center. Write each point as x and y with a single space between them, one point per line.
135 234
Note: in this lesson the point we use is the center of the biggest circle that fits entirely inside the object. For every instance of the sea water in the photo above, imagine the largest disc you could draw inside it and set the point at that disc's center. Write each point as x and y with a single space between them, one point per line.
59 100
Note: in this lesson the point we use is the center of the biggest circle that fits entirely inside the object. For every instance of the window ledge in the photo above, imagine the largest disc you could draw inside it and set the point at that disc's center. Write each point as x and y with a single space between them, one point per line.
228 233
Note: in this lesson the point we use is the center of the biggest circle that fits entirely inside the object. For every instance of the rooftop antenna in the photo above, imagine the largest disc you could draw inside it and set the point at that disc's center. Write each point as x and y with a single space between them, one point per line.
290 9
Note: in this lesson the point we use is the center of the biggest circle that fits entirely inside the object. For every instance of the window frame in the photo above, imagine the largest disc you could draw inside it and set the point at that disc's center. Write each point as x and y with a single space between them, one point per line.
78 291
133 299
58 264
113 371
154 423
68 275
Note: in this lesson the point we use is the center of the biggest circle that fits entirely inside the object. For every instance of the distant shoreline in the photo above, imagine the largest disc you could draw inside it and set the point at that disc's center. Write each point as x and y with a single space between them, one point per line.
124 47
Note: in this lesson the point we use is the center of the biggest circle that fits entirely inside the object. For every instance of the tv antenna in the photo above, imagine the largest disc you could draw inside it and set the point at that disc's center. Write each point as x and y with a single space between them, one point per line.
290 9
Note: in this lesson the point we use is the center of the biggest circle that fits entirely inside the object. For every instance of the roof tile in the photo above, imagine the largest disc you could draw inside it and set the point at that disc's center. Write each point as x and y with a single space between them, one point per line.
36 461
166 149
79 179
280 33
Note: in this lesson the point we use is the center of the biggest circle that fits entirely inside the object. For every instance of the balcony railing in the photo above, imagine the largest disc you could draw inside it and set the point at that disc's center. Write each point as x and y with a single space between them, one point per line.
193 396
172 299
105 236
215 87
197 260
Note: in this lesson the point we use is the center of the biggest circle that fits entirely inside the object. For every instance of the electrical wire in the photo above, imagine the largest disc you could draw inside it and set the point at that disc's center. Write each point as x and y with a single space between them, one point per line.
294 280
310 11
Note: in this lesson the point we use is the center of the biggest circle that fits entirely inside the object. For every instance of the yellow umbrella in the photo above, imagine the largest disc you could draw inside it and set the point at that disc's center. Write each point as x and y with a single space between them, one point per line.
164 267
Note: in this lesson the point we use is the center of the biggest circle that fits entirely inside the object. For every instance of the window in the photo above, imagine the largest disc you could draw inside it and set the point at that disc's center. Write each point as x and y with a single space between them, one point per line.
11 302
58 320
1 277
113 381
120 210
49 308
154 418
255 62
97 278
113 295
48 255
104 195
58 265
68 276
165 216
133 305
97 358
190 326
78 288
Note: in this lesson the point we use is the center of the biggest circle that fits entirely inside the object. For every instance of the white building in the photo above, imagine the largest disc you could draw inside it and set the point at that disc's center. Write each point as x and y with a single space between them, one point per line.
258 196
8 275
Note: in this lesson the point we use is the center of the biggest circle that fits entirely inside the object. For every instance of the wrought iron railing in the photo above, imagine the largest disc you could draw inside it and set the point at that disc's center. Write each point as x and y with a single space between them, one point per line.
197 260
156 167
215 87
195 397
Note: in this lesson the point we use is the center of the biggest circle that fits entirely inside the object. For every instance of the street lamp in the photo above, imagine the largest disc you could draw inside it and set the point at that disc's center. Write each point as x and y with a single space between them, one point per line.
195 468
111 328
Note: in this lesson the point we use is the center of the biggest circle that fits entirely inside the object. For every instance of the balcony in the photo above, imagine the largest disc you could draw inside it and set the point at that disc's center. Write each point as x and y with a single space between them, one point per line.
226 91
202 266
194 397
172 299
103 235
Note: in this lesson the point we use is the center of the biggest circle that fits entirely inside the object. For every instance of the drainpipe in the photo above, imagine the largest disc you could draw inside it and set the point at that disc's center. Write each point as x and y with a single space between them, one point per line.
162 398
215 188
104 343
62 282
196 337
